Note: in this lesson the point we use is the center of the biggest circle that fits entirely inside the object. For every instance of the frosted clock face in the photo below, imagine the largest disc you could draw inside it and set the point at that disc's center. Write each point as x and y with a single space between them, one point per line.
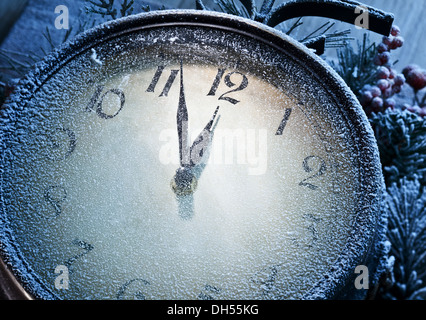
178 161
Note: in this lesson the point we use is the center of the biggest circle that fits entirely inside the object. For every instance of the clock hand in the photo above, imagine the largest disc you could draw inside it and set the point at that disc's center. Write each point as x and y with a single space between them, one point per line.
182 125
200 145
184 181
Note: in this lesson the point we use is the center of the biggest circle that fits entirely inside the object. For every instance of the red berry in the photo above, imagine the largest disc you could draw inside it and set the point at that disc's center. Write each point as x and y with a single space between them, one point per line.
384 57
392 74
409 68
381 58
366 87
395 31
367 95
381 47
397 42
383 73
417 79
392 45
399 80
386 40
383 84
377 103
375 91
390 103
387 93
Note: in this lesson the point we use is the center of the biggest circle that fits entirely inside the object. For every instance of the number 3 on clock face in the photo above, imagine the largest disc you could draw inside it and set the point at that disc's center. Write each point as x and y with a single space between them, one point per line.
181 167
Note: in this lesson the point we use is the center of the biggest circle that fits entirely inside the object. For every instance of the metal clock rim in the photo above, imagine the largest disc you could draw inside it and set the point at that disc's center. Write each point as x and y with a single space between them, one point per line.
356 251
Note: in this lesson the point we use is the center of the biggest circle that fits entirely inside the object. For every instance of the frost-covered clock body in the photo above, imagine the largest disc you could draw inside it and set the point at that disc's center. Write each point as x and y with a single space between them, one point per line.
186 155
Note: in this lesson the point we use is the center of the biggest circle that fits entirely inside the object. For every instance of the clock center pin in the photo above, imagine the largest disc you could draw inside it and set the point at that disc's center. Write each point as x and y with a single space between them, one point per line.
184 182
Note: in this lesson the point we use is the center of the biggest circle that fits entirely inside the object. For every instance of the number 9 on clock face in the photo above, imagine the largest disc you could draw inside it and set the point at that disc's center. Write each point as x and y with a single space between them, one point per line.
177 162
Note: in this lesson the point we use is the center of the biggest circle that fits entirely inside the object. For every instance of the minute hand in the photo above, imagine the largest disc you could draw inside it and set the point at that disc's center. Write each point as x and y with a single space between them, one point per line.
182 126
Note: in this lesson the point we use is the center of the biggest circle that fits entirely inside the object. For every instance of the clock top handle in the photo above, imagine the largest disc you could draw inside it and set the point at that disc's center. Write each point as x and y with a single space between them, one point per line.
346 11
341 10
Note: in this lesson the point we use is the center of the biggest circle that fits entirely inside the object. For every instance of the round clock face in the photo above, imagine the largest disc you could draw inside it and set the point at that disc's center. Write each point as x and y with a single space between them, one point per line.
158 158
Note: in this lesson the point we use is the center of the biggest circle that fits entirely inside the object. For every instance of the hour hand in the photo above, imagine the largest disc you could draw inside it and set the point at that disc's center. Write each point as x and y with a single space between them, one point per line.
201 144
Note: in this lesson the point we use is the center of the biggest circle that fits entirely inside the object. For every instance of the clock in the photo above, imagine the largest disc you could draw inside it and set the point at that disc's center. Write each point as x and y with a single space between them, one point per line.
186 155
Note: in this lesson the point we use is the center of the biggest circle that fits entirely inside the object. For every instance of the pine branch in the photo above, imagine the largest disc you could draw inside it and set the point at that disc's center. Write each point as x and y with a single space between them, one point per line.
294 26
401 138
229 6
126 8
356 66
406 205
325 27
103 7
338 39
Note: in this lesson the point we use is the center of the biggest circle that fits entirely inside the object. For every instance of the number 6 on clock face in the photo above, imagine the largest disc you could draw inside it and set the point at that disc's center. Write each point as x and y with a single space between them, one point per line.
195 162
